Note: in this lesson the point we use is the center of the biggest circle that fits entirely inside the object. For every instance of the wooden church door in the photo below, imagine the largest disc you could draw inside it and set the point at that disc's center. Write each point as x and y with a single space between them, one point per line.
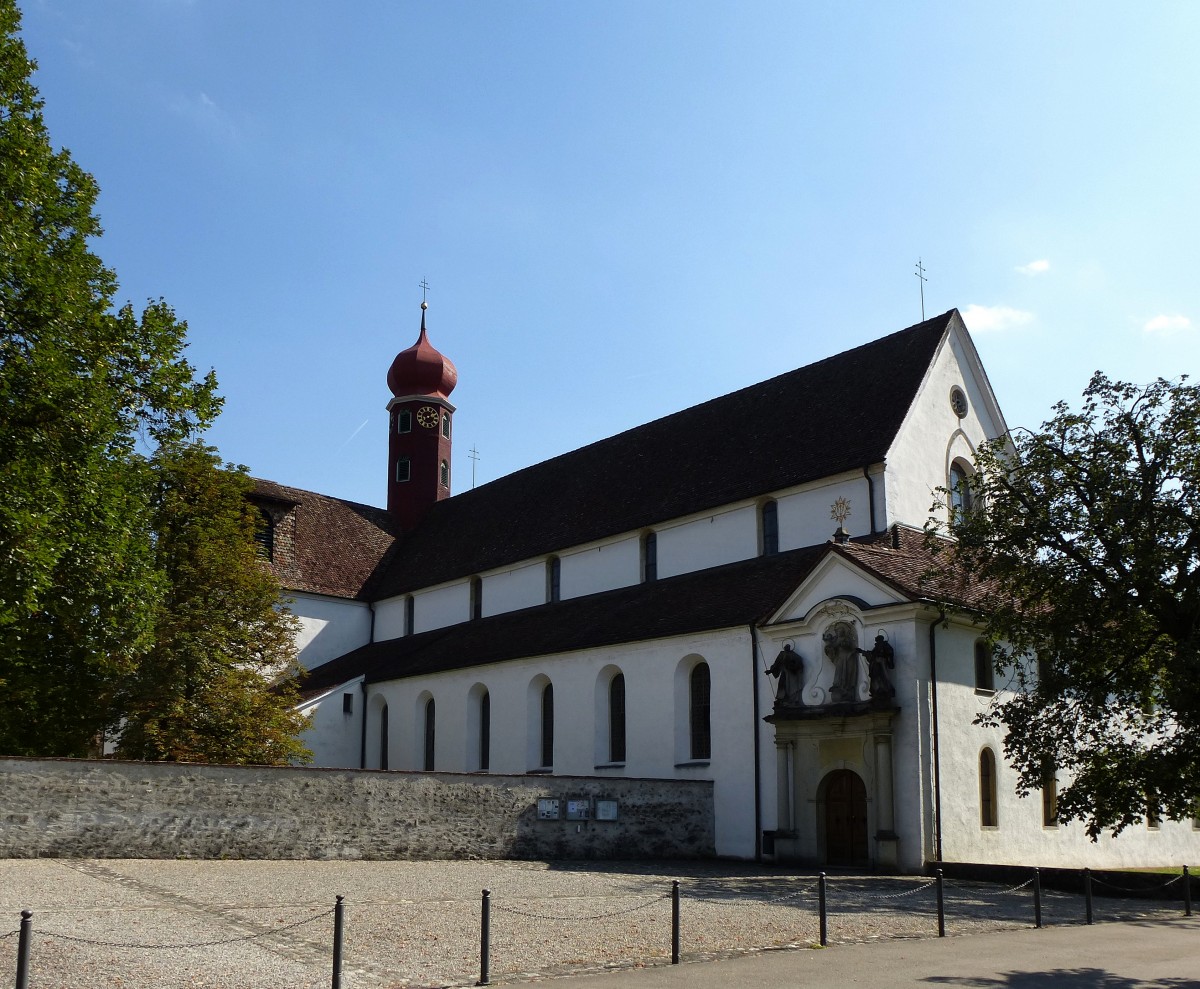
845 819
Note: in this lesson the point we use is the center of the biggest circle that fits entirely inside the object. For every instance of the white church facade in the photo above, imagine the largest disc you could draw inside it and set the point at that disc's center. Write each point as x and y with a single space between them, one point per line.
737 592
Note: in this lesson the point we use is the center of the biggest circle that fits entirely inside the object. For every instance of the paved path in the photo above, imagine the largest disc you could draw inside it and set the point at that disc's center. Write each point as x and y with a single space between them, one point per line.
1148 955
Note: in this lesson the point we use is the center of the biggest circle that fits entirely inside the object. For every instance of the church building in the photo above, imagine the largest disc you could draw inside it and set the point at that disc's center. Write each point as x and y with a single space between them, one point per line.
738 592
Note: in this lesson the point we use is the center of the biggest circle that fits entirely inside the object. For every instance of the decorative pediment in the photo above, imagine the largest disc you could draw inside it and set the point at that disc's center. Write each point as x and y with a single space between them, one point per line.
833 578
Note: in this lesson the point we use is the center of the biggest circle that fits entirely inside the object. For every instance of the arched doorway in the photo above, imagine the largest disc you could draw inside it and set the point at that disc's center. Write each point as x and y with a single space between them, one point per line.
845 819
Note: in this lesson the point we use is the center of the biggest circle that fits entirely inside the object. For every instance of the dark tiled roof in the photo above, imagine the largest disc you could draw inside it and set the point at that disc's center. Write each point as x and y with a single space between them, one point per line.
326 545
837 415
737 594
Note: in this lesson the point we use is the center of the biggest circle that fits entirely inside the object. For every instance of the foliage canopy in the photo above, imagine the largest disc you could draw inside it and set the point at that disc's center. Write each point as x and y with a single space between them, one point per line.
88 392
1085 541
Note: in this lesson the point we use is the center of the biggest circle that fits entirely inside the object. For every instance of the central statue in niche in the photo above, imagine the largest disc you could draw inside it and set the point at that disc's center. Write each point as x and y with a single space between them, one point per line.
841 646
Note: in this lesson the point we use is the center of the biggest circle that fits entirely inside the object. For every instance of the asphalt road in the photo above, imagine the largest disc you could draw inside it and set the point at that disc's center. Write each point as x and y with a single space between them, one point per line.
1160 954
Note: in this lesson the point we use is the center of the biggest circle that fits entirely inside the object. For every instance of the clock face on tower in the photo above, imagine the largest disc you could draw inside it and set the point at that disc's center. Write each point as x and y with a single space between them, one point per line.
427 416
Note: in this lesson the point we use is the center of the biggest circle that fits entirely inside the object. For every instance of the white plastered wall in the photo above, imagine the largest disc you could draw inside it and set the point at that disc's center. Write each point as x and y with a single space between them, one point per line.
652 717
1019 836
329 627
334 736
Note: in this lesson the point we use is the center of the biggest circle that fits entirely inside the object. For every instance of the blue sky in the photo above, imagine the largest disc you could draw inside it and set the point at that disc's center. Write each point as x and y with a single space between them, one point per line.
626 208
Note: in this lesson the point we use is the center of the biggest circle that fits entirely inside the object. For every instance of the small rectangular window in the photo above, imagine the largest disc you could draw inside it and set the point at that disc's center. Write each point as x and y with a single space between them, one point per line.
770 528
446 425
404 421
403 469
650 558
554 579
347 703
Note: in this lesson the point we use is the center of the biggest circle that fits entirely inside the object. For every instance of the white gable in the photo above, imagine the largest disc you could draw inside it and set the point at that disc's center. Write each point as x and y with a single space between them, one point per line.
933 435
835 577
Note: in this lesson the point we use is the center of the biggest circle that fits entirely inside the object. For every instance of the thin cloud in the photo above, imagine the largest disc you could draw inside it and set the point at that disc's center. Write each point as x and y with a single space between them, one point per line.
1165 323
989 319
205 113
1039 267
347 440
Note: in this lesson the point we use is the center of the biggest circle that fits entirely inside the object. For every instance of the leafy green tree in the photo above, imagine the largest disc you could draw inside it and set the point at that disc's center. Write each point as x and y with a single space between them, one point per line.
1083 539
85 390
203 692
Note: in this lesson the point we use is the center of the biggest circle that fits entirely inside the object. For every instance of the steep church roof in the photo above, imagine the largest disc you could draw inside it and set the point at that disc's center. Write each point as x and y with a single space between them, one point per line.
839 414
324 545
737 594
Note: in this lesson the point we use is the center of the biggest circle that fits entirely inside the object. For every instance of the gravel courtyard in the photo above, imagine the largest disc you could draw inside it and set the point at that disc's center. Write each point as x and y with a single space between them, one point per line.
269 924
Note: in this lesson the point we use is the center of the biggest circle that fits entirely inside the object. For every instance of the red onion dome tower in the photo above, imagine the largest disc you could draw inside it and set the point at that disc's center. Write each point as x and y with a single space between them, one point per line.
419 423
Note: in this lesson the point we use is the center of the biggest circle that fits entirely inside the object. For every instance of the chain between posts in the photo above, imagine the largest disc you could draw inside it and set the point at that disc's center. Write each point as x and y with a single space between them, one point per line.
905 892
194 944
593 916
1135 889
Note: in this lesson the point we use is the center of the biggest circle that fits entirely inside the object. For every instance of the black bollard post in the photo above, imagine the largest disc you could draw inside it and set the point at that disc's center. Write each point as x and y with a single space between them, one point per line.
23 949
821 909
941 906
1087 892
675 922
485 939
1187 893
339 920
1037 897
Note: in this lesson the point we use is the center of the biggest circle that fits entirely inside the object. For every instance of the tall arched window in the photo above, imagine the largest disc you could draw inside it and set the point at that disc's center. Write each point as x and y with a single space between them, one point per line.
548 726
485 732
768 524
987 788
383 737
616 718
985 672
960 489
445 471
699 692
1049 795
430 714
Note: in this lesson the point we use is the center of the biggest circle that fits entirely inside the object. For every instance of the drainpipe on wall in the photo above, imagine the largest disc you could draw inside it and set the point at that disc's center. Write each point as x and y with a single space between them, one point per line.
870 496
933 714
362 752
758 852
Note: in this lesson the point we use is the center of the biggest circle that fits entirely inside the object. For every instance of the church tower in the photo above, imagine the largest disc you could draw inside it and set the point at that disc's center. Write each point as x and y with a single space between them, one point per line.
420 428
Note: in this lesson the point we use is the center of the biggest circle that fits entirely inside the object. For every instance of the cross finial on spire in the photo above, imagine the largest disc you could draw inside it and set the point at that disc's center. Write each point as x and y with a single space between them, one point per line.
474 455
424 287
920 273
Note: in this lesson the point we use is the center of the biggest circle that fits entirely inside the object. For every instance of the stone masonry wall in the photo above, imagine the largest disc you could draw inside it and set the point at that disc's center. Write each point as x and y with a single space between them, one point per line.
105 809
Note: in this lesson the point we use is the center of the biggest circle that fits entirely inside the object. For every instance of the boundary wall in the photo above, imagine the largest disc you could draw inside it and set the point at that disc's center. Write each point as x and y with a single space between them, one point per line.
77 808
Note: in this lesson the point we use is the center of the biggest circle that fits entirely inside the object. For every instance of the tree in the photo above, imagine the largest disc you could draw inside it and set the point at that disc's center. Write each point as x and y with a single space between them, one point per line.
219 682
81 385
1083 539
